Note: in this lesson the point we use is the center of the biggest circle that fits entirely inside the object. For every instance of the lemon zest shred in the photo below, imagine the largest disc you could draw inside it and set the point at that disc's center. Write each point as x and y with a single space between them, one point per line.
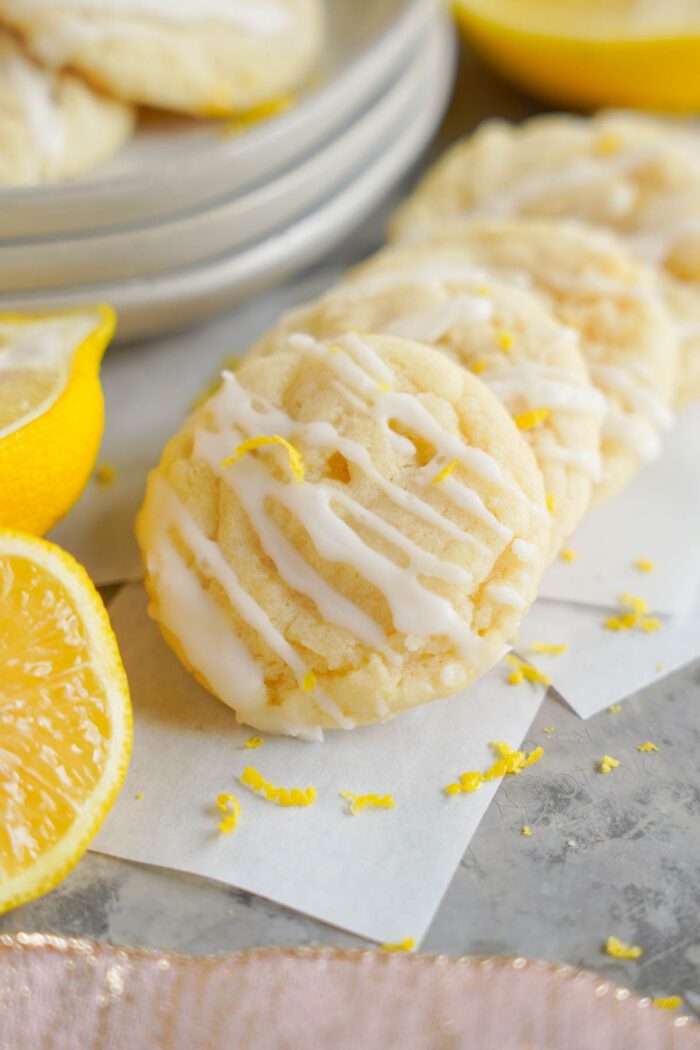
648 746
444 473
371 801
526 830
548 729
607 764
253 742
644 565
229 805
550 650
525 672
308 682
615 709
636 617
567 554
407 945
139 796
106 474
253 779
606 144
667 1002
551 502
532 418
384 387
619 950
508 763
477 367
296 461
505 340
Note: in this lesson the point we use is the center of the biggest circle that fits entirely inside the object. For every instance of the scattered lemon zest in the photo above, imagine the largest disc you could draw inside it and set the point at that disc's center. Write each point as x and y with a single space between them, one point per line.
477 367
648 746
551 502
509 762
548 729
229 805
106 474
636 617
280 795
619 950
484 289
532 418
644 565
607 764
667 1002
258 114
567 554
444 473
335 349
505 340
139 796
606 144
615 709
372 801
296 461
406 945
253 742
525 672
308 682
550 650
384 387
526 830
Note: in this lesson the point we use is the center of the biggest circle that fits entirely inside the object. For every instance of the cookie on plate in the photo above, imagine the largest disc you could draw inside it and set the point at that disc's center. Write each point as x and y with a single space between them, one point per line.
632 174
627 336
344 530
52 125
503 335
205 57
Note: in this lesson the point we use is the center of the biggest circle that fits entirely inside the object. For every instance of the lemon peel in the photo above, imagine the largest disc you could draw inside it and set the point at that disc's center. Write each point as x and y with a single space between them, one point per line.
308 682
644 565
549 649
526 830
619 950
371 801
532 418
477 367
281 796
648 746
615 709
406 945
510 762
106 474
607 764
444 473
525 672
667 1002
551 501
296 462
505 340
548 729
229 805
567 554
636 618
253 742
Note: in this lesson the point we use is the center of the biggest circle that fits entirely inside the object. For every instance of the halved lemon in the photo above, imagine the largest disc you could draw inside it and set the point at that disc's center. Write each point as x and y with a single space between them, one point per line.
51 412
639 53
65 715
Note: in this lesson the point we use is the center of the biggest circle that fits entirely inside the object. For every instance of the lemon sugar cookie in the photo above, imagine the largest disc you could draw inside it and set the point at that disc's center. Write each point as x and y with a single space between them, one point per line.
205 57
502 334
344 530
626 334
635 175
52 125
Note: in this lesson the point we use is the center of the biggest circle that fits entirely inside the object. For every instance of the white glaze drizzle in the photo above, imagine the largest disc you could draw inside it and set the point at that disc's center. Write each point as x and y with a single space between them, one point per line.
504 595
431 324
35 89
639 429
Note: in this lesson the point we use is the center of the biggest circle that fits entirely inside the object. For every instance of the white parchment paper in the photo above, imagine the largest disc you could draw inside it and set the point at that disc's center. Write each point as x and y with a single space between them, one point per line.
380 874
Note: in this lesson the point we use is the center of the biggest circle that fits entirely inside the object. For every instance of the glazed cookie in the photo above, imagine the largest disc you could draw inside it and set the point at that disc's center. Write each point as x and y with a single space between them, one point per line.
343 531
52 125
205 57
500 333
592 284
635 175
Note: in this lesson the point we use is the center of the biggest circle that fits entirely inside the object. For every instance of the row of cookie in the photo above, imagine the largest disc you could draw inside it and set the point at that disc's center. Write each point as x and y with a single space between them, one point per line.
355 523
72 71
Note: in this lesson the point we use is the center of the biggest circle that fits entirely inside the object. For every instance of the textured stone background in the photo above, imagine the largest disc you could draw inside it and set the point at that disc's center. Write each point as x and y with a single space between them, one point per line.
608 854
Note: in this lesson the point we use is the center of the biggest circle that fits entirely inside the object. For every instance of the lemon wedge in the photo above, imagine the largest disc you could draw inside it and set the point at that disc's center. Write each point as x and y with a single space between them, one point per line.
51 412
65 725
638 53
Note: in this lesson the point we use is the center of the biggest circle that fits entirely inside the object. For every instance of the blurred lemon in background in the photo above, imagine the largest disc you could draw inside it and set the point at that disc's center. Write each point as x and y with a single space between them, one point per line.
51 412
588 53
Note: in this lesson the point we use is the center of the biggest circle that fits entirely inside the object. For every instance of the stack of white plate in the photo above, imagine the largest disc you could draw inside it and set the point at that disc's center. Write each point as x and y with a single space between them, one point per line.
191 216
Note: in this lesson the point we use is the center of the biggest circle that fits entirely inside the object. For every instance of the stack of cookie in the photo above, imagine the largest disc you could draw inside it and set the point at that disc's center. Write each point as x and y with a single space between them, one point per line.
73 71
358 519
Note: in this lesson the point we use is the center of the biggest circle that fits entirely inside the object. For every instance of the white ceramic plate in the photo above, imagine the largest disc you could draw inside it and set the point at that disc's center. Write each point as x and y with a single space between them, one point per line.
239 221
154 305
173 164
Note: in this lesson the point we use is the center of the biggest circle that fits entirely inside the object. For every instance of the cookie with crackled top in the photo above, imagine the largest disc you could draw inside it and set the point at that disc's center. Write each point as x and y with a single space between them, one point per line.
344 530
